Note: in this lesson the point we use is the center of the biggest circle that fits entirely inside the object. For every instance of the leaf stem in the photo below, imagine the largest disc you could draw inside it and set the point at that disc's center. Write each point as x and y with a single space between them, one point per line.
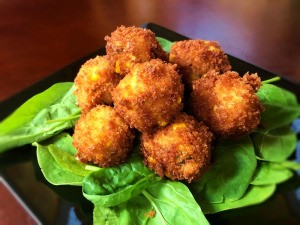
75 115
274 79
92 168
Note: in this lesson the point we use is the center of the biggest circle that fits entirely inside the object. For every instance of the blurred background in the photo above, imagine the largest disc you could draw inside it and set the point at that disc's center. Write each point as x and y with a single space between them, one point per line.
39 37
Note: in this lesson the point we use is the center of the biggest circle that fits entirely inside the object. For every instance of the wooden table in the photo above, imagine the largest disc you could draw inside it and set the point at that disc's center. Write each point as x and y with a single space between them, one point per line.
39 37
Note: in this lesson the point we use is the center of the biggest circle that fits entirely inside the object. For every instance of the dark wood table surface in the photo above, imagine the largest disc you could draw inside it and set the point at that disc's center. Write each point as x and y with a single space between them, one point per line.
38 38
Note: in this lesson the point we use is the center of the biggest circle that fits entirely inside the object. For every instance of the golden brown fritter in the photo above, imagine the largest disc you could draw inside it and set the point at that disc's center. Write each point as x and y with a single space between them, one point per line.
227 103
252 79
131 45
101 137
196 57
94 83
150 95
179 151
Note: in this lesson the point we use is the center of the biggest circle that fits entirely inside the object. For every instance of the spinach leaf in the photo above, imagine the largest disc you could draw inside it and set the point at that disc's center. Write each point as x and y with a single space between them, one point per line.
270 173
275 145
58 164
165 44
112 186
31 121
52 171
67 161
254 195
173 203
230 173
164 202
281 106
103 215
62 141
292 165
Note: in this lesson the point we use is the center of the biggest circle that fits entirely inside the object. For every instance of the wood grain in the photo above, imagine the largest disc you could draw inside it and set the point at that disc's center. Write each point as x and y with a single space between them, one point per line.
39 37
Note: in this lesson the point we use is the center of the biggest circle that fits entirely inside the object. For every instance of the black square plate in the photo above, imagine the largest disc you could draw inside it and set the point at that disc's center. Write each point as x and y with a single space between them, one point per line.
65 205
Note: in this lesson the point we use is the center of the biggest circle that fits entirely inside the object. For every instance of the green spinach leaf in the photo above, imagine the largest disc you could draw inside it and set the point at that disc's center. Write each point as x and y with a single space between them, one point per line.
292 165
103 215
113 186
67 161
174 204
31 121
165 44
164 202
281 106
254 195
62 141
270 173
230 173
58 164
275 145
52 171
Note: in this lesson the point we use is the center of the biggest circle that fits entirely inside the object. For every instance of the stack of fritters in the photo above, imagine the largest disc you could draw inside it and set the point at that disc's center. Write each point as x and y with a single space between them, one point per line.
137 87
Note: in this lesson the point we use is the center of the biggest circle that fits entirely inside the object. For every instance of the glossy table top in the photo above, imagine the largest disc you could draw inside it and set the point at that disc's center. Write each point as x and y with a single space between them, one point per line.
38 38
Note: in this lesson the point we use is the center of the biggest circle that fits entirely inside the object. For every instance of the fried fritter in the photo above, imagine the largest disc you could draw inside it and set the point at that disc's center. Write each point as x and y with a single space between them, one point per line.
94 83
227 103
150 95
131 45
196 57
101 137
179 151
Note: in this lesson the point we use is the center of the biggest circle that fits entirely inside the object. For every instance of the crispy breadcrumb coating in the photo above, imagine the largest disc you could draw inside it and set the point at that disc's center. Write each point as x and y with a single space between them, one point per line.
146 85
131 45
94 83
252 79
179 151
196 57
101 137
150 95
227 103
